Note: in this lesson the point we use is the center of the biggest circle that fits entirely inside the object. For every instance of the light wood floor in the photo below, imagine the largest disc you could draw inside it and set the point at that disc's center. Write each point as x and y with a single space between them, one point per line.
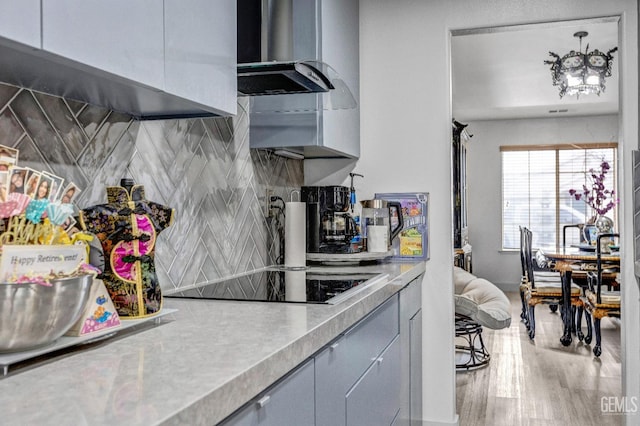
541 382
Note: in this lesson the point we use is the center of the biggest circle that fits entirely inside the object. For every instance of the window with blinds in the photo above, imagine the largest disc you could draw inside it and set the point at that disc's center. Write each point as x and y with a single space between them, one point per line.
535 190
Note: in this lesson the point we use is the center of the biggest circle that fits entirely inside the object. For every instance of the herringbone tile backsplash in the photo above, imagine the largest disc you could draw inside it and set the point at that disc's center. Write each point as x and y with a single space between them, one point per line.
201 167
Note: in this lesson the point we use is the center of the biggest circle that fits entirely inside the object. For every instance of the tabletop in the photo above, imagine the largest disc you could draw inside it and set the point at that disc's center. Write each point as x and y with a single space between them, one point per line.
566 259
577 255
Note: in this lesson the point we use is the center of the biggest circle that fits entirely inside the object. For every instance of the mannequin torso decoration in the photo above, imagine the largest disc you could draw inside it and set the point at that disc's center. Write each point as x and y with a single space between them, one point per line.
127 227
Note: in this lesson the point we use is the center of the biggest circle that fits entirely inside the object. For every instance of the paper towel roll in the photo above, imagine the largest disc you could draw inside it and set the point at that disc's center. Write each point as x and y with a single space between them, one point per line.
295 286
295 238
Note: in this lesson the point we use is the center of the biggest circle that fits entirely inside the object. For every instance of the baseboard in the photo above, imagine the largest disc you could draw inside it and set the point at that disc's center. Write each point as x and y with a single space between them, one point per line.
432 423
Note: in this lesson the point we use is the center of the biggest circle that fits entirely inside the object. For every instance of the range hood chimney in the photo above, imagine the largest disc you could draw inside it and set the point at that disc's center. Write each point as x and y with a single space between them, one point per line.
266 61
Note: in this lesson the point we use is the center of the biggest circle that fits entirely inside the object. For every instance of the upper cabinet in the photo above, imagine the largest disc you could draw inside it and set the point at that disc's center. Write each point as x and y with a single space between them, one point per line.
326 31
200 46
340 49
121 37
20 21
148 58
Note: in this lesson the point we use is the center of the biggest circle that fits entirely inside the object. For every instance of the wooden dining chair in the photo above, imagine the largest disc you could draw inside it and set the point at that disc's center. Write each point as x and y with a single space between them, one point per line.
541 292
539 275
579 277
601 303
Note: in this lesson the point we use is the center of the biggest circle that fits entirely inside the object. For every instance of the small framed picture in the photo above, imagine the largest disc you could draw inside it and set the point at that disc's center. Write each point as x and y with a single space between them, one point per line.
69 193
44 187
68 224
4 185
56 186
17 179
33 177
8 157
592 234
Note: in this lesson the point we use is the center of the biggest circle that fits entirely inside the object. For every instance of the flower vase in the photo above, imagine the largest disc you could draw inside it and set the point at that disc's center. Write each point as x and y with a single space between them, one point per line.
604 225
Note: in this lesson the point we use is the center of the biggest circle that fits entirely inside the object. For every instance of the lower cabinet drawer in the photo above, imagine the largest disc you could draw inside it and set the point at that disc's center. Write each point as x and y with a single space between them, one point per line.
288 402
375 398
346 359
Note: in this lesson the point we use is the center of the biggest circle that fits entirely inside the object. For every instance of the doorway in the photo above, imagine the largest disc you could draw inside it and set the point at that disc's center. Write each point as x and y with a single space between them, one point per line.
503 90
501 104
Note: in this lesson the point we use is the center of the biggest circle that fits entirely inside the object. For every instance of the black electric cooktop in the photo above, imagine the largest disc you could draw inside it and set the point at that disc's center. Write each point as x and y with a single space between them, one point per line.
281 285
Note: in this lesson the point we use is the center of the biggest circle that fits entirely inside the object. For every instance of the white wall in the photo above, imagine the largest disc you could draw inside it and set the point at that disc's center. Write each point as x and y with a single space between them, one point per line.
484 170
405 143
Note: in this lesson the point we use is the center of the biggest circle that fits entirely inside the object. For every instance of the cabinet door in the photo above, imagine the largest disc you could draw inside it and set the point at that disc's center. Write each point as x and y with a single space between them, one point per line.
375 399
200 52
340 365
289 402
121 37
411 351
415 368
340 47
20 21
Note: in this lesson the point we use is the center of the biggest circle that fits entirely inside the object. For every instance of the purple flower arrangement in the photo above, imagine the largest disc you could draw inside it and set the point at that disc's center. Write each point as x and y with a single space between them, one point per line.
600 199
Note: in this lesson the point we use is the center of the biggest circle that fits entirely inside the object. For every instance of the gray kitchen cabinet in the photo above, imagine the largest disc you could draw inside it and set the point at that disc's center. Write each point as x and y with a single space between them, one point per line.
121 37
340 49
354 380
375 398
200 52
356 360
148 58
327 31
288 402
20 21
411 353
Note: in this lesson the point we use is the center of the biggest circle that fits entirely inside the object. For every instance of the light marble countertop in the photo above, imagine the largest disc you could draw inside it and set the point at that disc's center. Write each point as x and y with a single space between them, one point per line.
194 366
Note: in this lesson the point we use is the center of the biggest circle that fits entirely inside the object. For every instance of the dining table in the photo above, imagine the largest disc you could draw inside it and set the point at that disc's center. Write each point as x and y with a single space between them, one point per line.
568 259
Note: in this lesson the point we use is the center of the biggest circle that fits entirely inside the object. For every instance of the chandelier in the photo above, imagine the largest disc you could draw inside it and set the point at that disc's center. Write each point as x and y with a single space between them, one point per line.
579 73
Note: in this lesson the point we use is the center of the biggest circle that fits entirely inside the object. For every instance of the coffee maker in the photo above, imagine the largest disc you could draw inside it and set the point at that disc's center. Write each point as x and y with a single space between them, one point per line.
330 228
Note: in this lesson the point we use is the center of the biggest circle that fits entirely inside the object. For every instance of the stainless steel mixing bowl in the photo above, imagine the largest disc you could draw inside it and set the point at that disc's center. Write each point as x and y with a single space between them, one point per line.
34 315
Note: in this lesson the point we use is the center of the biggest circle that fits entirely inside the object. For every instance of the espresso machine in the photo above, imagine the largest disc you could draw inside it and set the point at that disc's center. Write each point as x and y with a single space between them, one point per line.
330 228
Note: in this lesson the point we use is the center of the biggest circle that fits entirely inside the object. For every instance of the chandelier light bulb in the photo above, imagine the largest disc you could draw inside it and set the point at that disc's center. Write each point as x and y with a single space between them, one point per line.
580 72
593 79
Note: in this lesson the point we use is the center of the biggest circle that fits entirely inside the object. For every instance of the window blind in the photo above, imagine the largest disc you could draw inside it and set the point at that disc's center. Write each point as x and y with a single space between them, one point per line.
535 189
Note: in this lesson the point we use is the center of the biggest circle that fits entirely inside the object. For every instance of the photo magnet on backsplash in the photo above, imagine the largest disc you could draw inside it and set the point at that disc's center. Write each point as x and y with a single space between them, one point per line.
127 227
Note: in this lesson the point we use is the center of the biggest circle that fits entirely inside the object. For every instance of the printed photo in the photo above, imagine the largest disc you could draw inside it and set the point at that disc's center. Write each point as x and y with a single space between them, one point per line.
56 186
17 179
44 187
69 226
69 193
8 157
31 186
4 185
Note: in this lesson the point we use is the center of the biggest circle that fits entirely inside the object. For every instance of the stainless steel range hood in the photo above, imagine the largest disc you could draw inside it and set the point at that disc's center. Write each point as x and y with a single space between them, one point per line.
270 63
278 78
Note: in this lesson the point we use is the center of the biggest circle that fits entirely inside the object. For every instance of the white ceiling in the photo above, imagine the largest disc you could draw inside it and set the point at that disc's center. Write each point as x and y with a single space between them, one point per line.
500 73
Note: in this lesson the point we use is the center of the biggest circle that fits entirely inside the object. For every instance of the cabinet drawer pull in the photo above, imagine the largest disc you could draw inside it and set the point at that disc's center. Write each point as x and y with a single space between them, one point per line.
263 401
334 346
377 359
